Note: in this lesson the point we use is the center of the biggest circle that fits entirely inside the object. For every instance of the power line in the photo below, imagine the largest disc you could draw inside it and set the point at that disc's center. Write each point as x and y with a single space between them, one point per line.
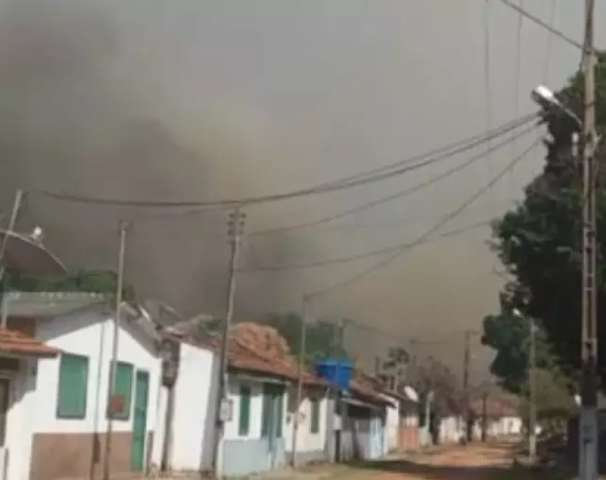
549 42
398 249
544 24
397 195
364 178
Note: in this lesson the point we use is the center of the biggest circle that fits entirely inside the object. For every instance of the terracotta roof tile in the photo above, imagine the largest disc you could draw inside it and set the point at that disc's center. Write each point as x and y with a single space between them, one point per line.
17 343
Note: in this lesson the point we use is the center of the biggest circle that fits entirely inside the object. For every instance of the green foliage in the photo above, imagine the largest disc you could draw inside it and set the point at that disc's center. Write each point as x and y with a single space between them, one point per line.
509 335
540 240
98 281
553 398
322 337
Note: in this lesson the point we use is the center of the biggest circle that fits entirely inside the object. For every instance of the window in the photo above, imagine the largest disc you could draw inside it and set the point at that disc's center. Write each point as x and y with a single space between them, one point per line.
244 423
123 390
315 415
271 425
73 379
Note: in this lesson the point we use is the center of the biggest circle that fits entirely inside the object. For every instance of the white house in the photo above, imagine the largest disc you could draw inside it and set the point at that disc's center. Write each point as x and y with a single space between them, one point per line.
57 415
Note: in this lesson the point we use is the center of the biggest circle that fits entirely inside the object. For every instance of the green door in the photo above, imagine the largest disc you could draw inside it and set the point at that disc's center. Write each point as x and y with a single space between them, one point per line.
140 421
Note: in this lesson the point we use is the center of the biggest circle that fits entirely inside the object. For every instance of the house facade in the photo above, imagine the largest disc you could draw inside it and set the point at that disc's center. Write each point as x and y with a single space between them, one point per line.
66 397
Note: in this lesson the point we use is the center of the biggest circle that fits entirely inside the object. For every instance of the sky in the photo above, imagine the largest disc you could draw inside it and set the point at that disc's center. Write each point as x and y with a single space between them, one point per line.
199 100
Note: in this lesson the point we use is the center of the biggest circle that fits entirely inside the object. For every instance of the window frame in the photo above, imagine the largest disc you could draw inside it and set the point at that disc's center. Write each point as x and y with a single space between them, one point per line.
314 423
125 416
72 416
245 393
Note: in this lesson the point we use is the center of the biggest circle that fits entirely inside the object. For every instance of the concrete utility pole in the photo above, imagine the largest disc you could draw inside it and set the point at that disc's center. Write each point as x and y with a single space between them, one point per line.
532 387
112 368
11 227
235 229
300 373
588 434
466 361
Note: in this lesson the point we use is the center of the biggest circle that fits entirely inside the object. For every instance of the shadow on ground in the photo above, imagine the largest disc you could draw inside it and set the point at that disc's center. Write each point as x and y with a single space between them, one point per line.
412 470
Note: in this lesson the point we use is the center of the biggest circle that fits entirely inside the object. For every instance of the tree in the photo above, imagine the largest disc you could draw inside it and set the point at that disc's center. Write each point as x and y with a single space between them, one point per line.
322 336
509 335
539 241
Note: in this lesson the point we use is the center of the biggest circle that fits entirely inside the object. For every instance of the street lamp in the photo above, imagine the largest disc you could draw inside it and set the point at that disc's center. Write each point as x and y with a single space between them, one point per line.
532 413
547 100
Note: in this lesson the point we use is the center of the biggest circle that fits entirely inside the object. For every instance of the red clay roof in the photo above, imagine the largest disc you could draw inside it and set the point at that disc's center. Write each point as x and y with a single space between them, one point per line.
261 349
17 343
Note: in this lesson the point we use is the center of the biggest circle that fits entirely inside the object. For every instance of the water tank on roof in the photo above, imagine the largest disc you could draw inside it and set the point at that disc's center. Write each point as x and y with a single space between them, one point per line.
336 372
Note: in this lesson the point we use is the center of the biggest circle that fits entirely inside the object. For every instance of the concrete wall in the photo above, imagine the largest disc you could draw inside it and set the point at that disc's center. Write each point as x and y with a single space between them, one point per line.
88 334
392 427
194 413
251 453
311 447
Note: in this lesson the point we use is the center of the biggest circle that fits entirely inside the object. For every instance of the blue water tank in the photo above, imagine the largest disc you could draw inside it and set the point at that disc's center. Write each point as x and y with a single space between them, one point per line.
337 372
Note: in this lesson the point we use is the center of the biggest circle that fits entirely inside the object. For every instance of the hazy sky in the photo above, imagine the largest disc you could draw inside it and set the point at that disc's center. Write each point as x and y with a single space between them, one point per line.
212 99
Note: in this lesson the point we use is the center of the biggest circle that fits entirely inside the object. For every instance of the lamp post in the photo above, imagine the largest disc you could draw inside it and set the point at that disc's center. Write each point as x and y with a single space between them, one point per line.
532 389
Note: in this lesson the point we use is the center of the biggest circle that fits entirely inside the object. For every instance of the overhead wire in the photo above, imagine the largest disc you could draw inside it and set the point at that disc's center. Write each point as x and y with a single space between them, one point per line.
394 196
549 41
363 178
544 24
398 249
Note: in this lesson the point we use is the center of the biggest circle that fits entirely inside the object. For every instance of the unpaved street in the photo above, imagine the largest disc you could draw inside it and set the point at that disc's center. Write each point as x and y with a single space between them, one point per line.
474 462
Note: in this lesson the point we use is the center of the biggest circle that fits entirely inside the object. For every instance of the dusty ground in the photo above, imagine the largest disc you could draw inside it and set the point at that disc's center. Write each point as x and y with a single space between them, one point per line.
473 462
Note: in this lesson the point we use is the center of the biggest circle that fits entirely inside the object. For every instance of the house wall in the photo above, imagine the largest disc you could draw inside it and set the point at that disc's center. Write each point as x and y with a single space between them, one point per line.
392 427
247 454
451 430
157 447
363 434
311 447
74 447
194 412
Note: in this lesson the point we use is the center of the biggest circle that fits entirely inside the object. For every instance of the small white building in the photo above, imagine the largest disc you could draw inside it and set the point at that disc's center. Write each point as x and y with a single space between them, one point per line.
58 408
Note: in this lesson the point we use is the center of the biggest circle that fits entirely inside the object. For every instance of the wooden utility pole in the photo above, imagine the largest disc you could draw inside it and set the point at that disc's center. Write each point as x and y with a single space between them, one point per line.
113 364
588 435
235 229
466 362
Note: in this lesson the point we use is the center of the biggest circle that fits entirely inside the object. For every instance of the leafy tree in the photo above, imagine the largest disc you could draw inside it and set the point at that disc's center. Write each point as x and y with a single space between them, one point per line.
509 335
322 336
539 241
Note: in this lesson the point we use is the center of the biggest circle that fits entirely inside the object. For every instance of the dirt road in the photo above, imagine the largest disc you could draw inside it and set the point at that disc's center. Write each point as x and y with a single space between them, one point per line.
473 462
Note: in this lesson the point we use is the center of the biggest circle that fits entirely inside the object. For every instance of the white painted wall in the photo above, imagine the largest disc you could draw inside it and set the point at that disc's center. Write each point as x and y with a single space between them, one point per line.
256 410
307 441
194 410
451 429
90 334
392 425
158 445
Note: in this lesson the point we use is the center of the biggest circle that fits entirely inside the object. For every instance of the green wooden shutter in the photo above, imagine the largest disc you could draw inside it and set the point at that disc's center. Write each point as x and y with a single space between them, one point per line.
315 415
73 382
267 414
124 388
244 423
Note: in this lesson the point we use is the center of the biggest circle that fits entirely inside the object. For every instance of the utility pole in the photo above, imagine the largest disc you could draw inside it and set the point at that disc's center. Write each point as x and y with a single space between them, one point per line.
11 227
112 367
300 373
588 424
532 414
484 415
466 361
235 228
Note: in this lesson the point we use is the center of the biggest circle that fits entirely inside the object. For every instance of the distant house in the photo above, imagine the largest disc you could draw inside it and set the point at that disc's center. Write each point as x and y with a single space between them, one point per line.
55 407
363 421
500 411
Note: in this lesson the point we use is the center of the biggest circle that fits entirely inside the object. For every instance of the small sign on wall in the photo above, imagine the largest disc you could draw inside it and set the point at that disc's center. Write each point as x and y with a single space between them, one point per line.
226 410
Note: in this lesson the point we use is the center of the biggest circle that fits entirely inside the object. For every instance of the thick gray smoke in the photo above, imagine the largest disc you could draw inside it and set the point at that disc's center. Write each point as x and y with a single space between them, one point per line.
190 99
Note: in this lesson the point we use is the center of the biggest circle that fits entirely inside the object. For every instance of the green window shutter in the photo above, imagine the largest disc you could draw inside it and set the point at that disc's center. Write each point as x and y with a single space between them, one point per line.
73 382
315 416
244 423
267 414
124 388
